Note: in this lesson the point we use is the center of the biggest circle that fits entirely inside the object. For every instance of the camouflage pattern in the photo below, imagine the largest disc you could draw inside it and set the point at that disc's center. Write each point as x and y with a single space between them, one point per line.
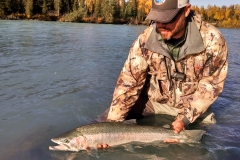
149 69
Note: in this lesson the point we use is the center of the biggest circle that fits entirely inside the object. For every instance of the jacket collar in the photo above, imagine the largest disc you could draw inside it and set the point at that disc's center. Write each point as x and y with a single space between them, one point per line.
193 44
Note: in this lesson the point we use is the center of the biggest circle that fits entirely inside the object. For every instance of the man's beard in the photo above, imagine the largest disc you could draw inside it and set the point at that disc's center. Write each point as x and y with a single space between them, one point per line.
174 32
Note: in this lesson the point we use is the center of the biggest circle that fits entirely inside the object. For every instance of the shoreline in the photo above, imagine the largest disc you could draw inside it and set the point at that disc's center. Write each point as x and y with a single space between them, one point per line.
54 18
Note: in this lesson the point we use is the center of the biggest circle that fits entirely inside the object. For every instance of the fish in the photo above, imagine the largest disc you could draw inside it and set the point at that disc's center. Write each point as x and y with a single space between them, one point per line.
89 136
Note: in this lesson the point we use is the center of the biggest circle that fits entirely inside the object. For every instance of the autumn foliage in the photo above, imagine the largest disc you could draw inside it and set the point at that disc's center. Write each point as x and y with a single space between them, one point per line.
105 11
221 16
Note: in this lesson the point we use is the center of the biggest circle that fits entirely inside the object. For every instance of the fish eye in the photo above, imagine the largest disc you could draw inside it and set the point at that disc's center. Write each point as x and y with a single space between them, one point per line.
66 141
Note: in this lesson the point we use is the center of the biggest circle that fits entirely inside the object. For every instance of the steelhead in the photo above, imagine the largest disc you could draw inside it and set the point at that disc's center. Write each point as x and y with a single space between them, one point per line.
117 133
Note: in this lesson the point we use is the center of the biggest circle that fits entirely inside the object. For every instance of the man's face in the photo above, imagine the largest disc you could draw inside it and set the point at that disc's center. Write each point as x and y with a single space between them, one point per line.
173 29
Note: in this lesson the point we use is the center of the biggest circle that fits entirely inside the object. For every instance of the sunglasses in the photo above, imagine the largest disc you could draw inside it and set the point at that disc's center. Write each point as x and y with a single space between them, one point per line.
176 17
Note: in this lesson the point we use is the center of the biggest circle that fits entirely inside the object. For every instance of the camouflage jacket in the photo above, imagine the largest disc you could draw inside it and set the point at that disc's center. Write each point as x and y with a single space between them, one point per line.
149 68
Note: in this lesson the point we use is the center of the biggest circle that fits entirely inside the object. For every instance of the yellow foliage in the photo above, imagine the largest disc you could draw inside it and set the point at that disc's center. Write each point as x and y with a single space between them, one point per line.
145 5
148 6
90 4
100 19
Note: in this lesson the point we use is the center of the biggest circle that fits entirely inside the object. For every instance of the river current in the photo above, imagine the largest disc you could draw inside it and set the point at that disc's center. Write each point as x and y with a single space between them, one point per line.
57 76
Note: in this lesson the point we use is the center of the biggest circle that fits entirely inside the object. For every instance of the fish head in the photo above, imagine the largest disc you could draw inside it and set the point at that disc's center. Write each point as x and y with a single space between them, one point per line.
69 141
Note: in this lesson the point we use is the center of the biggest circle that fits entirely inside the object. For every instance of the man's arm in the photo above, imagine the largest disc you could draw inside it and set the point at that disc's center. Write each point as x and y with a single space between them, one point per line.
129 84
212 83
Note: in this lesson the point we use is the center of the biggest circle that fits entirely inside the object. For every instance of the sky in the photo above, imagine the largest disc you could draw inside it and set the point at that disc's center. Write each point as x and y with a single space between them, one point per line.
218 3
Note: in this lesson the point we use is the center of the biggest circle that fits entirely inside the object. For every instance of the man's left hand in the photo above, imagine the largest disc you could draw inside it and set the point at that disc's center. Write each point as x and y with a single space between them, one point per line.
178 126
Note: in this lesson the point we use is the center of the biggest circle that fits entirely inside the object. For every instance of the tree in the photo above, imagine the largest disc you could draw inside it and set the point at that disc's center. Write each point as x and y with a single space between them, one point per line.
220 14
122 8
44 7
76 5
2 7
203 13
237 11
10 6
90 7
29 8
107 11
57 6
97 10
143 9
110 11
131 8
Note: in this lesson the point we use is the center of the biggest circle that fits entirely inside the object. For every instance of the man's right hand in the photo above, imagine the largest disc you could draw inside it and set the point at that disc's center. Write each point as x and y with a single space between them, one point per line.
178 126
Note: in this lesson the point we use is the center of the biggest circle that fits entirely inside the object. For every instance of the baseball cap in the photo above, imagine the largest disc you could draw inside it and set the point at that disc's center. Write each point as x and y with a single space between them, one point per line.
165 10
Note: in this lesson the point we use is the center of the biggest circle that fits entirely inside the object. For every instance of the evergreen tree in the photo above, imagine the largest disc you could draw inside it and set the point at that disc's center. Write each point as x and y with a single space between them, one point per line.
107 11
131 12
2 7
110 11
10 6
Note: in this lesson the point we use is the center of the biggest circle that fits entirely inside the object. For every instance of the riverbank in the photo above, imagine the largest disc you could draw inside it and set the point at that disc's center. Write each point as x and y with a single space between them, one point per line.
69 18
37 17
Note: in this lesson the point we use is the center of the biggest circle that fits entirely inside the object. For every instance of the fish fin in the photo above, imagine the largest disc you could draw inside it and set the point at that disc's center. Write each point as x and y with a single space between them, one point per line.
167 126
195 135
92 152
130 121
129 148
171 140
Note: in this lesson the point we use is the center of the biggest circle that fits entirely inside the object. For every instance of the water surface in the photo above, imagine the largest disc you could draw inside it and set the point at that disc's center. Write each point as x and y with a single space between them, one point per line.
57 76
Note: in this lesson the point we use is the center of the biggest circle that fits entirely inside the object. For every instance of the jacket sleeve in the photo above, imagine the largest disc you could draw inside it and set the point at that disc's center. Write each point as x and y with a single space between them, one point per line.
212 82
129 84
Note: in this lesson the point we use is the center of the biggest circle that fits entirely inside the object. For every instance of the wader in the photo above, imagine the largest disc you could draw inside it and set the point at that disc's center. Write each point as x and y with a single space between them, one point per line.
144 108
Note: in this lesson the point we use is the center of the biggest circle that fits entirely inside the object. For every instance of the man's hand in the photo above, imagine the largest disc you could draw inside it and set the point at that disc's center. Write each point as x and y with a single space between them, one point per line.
178 126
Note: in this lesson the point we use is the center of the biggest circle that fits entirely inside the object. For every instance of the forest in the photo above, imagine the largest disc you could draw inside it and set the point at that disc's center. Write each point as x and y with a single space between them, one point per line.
106 11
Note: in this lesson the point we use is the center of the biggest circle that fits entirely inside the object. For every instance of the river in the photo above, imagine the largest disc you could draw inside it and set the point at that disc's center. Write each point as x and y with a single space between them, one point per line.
56 76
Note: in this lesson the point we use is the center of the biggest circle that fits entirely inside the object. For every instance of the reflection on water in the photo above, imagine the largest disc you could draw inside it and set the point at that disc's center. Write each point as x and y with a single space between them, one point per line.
57 76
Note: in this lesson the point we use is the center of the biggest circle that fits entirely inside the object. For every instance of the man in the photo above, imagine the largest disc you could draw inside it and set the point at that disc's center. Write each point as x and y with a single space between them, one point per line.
177 66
